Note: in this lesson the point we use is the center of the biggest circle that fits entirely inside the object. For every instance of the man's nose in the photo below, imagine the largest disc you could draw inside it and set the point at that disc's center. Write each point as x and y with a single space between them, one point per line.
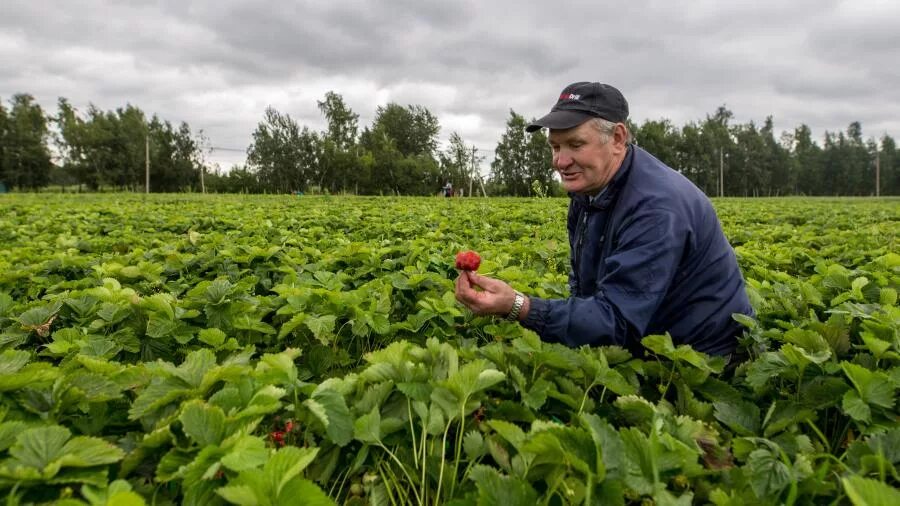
561 160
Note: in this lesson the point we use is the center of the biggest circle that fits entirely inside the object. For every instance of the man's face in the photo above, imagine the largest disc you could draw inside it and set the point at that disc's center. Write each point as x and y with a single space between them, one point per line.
585 159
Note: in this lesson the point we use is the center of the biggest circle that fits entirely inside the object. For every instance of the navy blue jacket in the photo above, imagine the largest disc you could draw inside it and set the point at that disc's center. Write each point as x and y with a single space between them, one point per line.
648 256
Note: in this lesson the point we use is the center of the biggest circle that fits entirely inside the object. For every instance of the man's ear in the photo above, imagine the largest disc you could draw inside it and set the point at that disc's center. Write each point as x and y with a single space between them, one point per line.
620 134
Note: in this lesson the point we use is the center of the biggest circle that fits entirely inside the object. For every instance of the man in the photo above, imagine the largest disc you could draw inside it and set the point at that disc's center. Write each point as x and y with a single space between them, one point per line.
648 254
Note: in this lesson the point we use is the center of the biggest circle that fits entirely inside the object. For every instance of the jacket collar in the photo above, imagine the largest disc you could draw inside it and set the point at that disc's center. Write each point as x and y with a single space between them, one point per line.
608 195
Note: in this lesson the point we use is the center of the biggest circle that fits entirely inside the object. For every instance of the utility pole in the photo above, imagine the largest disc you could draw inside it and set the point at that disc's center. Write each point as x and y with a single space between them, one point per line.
147 163
202 184
472 172
877 174
721 172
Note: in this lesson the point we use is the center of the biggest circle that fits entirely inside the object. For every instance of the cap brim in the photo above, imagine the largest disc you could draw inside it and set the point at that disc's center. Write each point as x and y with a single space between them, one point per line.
559 120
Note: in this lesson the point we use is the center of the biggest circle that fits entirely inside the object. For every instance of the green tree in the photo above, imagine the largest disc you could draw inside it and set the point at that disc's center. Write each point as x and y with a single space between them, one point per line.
337 167
660 138
522 160
399 151
889 166
25 160
4 126
456 164
283 157
808 158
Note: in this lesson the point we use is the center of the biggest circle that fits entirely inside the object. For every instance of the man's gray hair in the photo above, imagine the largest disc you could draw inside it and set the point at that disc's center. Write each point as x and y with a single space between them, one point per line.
607 129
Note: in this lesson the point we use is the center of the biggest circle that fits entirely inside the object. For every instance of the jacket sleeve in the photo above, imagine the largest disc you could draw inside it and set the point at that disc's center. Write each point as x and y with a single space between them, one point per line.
639 271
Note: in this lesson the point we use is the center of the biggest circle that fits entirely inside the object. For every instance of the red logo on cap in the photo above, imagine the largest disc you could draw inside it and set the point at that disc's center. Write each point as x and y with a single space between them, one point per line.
569 96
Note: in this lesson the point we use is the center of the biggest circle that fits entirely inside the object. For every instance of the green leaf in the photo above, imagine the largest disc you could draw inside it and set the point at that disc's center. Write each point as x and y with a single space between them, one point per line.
8 433
286 464
512 433
248 452
212 337
768 476
473 444
218 290
242 495
32 375
331 409
635 409
39 446
813 342
874 387
740 416
298 488
203 423
11 361
367 428
39 316
84 451
197 363
855 407
322 327
496 489
868 492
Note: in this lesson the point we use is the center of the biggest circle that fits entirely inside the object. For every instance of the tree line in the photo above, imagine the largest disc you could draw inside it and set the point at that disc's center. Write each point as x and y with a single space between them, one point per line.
399 154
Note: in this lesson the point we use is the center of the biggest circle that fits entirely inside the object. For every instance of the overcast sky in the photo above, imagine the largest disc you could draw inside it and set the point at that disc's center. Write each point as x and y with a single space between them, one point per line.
218 64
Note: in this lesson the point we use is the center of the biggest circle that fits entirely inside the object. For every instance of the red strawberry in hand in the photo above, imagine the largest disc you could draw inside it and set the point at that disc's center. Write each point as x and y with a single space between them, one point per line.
467 261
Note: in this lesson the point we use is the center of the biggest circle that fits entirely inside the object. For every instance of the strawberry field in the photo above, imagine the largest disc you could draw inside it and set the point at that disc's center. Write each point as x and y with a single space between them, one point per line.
210 350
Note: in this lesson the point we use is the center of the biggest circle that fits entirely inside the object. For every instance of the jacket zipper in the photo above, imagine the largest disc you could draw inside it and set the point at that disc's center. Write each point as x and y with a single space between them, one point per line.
579 243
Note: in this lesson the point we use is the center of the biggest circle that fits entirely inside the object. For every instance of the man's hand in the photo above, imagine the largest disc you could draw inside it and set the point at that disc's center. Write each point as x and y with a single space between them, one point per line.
495 297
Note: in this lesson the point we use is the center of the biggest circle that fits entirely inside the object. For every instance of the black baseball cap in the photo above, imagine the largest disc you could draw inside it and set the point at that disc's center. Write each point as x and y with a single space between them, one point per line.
582 101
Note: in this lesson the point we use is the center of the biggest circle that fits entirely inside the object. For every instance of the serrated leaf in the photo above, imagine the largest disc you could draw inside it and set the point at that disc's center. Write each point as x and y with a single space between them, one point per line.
473 445
11 361
494 488
367 428
331 409
740 416
310 492
512 433
197 363
85 451
248 452
874 387
322 327
856 408
203 423
287 464
218 290
38 447
634 409
212 337
768 476
869 492
242 495
8 433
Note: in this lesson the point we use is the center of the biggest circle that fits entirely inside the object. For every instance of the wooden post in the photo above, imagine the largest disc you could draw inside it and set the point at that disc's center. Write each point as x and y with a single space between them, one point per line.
877 174
472 172
721 172
147 163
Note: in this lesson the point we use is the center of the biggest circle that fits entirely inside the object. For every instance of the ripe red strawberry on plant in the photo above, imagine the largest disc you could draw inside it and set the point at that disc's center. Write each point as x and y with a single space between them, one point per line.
467 261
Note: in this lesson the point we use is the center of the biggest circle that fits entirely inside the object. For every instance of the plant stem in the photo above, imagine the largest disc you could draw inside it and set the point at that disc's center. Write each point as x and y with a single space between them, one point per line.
821 436
441 474
412 431
402 468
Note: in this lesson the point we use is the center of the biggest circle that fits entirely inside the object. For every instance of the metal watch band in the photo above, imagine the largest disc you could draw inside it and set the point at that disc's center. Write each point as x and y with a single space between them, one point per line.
517 307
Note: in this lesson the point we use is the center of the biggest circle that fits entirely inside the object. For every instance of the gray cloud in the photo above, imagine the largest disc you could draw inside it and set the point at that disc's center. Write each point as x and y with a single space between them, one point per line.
219 64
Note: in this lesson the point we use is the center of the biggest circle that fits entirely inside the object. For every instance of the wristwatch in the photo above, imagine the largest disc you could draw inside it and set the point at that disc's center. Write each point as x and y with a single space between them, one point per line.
516 307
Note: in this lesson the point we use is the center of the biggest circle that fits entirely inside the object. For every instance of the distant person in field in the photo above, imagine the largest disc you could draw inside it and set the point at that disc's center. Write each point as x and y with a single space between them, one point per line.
648 254
447 190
